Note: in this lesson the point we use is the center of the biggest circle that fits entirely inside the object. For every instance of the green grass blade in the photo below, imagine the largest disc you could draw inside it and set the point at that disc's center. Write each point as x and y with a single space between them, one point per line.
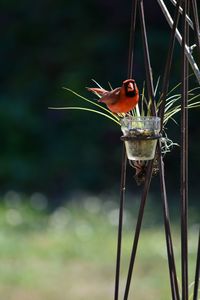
176 86
194 105
156 87
143 100
110 86
86 109
171 98
137 110
191 99
92 102
178 108
171 114
97 84
170 104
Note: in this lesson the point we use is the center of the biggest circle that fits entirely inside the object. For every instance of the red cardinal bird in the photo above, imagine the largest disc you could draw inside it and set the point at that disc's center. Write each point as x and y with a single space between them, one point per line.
121 99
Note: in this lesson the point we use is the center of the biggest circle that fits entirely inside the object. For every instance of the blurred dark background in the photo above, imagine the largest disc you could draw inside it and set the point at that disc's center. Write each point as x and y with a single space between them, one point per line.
46 45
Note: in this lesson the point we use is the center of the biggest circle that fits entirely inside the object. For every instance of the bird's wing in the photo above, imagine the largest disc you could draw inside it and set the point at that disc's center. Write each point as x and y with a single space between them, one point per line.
97 91
111 97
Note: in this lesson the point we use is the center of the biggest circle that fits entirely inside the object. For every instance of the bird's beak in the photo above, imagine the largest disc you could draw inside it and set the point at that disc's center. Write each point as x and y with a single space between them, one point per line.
130 87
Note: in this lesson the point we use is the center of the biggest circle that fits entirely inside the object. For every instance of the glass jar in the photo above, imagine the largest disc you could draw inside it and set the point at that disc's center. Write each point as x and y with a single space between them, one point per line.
140 136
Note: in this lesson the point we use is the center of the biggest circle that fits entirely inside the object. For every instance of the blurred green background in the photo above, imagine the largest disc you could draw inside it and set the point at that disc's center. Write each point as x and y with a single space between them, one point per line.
60 170
69 254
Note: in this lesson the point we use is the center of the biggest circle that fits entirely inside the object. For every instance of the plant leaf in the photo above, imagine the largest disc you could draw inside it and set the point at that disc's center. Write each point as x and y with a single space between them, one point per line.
92 102
86 109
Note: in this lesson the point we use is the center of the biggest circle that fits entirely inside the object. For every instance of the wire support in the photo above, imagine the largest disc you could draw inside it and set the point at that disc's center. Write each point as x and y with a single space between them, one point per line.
169 243
168 64
120 224
188 53
197 273
194 10
138 227
184 158
132 38
148 69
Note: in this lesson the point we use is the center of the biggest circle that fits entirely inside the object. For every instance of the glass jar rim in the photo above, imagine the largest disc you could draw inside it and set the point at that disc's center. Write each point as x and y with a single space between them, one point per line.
141 118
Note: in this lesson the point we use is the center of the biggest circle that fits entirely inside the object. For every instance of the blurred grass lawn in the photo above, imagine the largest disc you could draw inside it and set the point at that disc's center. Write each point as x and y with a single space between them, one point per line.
69 253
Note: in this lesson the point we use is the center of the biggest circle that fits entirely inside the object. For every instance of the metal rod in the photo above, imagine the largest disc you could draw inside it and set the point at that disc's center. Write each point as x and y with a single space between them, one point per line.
138 227
187 17
196 23
165 84
184 158
168 64
124 156
132 38
169 243
197 273
150 91
190 58
148 69
120 225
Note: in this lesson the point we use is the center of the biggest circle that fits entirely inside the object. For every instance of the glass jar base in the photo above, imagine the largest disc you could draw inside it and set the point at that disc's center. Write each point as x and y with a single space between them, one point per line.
141 150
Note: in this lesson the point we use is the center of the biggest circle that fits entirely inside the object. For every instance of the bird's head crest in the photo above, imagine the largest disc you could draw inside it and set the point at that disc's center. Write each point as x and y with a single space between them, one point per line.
130 87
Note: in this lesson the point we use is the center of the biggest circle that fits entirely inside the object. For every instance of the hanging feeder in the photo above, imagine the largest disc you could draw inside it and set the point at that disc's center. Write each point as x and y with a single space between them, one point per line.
140 136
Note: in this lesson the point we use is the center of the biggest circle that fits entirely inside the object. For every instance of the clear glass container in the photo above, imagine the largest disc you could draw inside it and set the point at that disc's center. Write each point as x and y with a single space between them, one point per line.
140 136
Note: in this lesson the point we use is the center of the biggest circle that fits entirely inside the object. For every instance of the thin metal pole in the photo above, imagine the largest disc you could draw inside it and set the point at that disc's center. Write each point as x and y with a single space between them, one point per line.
188 53
124 157
138 227
121 209
165 83
148 69
197 273
184 159
196 23
169 243
181 11
132 38
150 91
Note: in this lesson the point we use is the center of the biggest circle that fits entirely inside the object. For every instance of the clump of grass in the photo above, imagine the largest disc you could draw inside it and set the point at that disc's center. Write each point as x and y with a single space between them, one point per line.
172 108
97 108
